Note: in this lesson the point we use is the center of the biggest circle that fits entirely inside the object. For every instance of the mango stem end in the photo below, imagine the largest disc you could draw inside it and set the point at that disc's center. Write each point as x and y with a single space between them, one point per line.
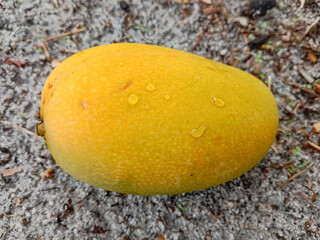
41 129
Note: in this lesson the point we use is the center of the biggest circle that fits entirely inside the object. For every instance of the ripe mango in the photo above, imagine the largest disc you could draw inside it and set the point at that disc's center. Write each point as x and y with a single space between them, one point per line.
147 120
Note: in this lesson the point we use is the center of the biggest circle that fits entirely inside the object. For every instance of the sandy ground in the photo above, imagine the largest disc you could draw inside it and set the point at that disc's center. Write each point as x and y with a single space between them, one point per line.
249 207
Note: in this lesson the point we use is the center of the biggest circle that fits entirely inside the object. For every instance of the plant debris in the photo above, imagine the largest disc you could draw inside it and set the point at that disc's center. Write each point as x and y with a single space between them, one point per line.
305 75
200 36
295 175
161 237
316 87
244 21
98 230
259 41
11 171
312 57
58 36
20 128
316 127
48 173
10 215
67 208
55 63
314 145
314 23
10 61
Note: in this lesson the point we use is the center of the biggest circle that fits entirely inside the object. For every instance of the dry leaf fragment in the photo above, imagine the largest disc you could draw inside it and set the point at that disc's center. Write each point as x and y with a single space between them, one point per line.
211 9
55 63
314 196
316 127
18 201
11 171
10 61
316 87
312 57
256 68
98 230
275 148
48 173
244 21
161 237
206 1
213 217
229 204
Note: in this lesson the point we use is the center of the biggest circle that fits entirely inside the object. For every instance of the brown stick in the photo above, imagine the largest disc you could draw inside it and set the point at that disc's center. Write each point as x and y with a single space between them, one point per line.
45 50
65 34
305 75
21 128
314 145
11 215
58 36
294 176
315 205
200 36
310 27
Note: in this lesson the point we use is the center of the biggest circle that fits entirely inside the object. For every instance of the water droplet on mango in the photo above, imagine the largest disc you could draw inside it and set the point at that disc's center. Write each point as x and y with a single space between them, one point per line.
167 97
150 87
198 132
133 99
218 102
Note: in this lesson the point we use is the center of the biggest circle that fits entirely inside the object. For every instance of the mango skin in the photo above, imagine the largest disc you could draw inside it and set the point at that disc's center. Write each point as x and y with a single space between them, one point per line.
201 123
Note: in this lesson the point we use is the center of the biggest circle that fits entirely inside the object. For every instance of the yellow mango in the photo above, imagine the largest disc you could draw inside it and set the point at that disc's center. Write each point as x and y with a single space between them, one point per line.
147 120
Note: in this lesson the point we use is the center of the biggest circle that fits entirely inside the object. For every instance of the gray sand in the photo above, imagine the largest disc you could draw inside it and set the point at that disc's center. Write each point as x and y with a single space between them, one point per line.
249 207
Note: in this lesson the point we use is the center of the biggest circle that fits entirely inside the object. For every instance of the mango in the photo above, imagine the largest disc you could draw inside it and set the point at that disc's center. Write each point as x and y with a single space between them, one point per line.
147 120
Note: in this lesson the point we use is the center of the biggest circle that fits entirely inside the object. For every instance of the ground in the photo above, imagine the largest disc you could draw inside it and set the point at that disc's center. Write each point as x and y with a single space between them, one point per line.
277 199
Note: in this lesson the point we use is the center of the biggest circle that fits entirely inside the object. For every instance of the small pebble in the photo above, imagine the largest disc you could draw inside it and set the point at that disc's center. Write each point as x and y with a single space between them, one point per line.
124 6
260 7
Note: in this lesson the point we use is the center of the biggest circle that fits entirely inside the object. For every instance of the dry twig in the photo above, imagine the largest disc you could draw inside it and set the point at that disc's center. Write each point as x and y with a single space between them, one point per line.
307 90
304 196
297 107
200 36
206 1
315 205
10 215
305 75
58 36
295 175
314 145
21 128
269 82
315 22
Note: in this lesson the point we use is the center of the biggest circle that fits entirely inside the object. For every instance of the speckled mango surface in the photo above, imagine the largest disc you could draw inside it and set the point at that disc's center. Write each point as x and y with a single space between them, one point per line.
147 120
